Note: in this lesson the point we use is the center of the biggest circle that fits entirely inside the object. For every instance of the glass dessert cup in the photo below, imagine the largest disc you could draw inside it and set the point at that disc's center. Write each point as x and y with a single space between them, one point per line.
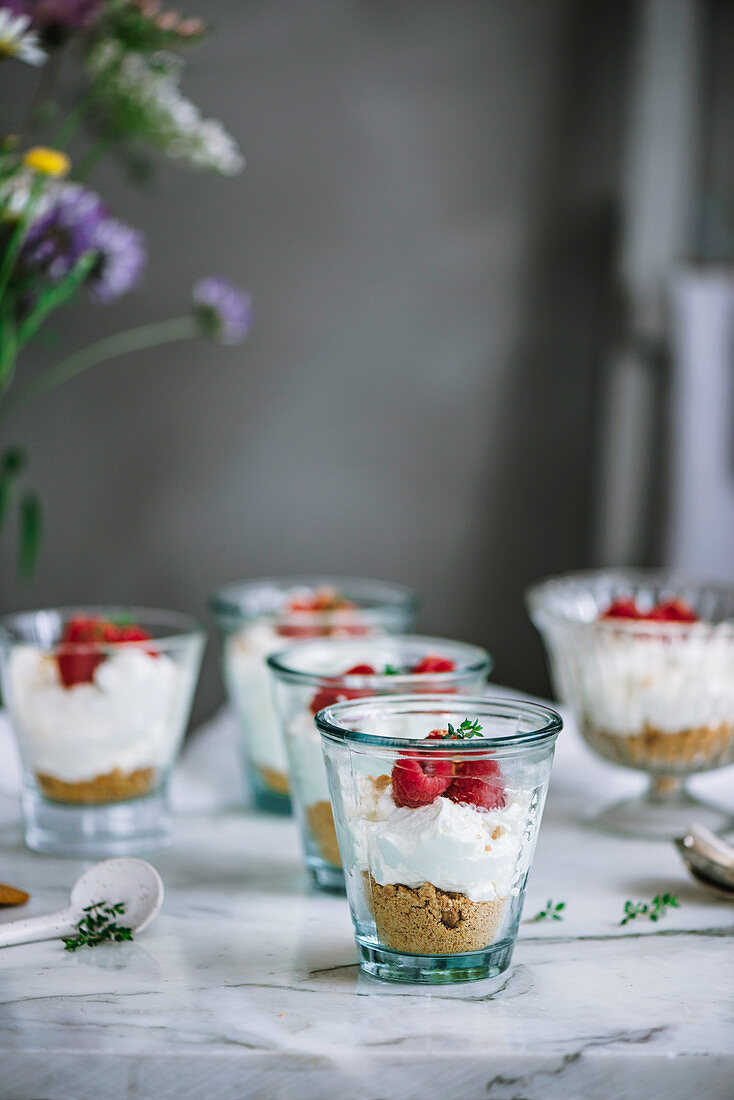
312 675
98 723
437 835
653 695
257 618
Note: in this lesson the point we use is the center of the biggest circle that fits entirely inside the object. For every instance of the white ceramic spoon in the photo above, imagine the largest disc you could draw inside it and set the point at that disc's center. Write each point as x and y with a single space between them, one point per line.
132 881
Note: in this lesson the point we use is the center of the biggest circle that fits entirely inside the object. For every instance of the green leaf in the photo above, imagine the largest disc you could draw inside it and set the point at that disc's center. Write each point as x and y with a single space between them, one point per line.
6 492
8 345
13 461
29 533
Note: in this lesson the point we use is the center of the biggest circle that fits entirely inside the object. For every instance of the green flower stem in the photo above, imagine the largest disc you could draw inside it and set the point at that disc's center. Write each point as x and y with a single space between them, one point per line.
13 338
44 93
57 296
76 115
92 157
122 343
19 233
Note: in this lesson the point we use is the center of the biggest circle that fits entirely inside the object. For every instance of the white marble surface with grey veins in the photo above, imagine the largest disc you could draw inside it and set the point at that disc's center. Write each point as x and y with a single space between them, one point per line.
247 984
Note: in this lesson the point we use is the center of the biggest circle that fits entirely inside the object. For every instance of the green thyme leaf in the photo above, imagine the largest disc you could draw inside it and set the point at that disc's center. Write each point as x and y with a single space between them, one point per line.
551 911
390 670
654 910
99 925
465 731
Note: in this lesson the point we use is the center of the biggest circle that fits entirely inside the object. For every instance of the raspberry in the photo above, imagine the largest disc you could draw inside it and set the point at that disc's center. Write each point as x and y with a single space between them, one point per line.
673 611
417 782
623 608
485 794
77 666
326 697
434 663
479 783
323 599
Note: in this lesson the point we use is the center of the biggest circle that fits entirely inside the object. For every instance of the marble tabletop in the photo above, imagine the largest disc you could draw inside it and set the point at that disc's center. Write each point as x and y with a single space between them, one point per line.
247 984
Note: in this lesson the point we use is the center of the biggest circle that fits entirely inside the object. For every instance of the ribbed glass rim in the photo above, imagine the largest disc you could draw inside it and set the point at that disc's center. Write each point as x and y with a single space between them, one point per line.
379 596
476 659
539 596
334 722
177 626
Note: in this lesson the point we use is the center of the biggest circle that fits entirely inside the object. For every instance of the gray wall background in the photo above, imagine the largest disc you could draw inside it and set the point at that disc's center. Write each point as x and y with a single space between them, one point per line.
426 223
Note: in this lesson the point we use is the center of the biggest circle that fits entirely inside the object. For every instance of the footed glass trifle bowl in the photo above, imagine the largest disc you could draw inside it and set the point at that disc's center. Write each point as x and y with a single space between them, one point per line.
437 801
646 662
256 618
98 699
313 675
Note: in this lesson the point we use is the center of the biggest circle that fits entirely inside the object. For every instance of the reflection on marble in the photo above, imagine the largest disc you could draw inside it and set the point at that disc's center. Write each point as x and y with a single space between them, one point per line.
247 984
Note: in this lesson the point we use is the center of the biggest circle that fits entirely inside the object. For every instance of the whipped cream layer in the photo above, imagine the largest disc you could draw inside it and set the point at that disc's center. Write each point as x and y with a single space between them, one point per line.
251 691
308 769
131 716
453 846
623 683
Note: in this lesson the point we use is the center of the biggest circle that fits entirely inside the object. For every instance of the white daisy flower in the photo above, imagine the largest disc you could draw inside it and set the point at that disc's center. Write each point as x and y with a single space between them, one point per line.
17 41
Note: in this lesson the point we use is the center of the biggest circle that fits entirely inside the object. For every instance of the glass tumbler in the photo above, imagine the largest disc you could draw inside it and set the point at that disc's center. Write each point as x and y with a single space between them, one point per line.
437 801
317 674
645 660
256 618
98 724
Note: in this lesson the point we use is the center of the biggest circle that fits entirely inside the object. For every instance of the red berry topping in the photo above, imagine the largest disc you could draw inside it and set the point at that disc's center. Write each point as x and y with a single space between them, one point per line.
360 670
320 602
77 665
418 782
622 608
327 697
478 783
673 611
475 790
434 663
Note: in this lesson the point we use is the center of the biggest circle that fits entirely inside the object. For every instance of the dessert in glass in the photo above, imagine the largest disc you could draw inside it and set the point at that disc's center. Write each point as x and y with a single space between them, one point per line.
645 660
256 618
437 801
314 675
98 699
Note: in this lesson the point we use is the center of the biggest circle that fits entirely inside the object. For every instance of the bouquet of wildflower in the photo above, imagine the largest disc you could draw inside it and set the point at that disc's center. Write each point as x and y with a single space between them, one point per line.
58 238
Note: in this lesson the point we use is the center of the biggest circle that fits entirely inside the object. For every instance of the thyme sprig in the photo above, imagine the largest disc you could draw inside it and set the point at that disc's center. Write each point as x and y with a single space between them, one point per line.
464 732
551 911
655 909
99 925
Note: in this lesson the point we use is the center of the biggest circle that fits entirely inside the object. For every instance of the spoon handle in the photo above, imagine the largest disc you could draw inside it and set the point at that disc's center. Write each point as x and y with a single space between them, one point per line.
49 927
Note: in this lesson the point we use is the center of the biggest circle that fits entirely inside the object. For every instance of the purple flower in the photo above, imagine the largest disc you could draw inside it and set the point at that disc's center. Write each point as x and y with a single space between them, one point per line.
63 233
224 313
54 20
122 257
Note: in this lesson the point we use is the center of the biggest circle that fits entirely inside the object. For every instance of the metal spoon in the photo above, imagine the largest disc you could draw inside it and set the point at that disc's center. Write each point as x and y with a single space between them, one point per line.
709 859
132 881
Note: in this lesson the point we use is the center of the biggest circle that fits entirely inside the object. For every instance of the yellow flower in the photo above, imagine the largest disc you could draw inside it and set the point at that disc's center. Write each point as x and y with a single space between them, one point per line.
49 162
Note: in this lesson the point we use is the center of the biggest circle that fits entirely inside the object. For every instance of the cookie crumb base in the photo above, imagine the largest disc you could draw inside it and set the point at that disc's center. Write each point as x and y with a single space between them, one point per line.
113 786
428 921
274 780
694 749
321 825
